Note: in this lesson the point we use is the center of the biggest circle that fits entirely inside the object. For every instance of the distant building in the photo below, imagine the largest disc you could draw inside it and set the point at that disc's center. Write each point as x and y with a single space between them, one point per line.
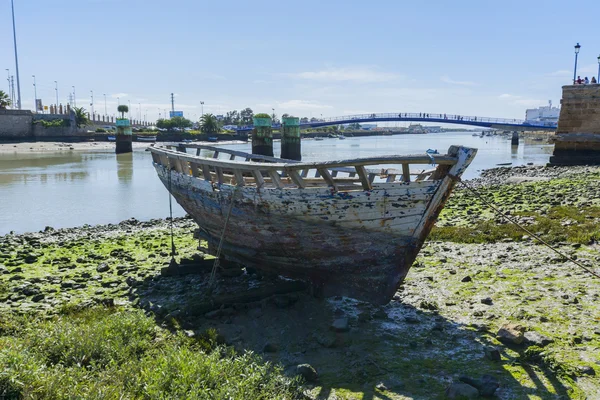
416 128
368 127
545 114
433 129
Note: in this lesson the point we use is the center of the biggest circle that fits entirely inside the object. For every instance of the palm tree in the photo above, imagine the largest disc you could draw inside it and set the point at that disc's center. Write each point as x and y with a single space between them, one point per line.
123 109
81 117
208 124
4 100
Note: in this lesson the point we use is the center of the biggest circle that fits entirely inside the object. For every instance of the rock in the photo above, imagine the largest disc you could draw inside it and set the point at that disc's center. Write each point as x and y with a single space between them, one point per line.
340 325
487 301
30 258
270 348
511 333
67 284
326 339
38 297
103 267
307 372
16 278
380 314
492 353
587 370
486 385
461 391
537 339
284 301
466 279
213 314
411 319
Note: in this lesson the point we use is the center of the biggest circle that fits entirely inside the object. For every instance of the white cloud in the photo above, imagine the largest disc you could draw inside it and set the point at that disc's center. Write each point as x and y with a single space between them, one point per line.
446 79
520 100
114 96
301 105
359 74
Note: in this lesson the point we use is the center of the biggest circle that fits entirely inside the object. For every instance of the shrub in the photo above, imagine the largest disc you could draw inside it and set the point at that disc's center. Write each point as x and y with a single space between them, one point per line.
100 130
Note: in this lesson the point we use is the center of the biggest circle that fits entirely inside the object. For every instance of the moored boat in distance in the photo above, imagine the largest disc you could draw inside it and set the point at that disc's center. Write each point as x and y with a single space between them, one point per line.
141 138
352 228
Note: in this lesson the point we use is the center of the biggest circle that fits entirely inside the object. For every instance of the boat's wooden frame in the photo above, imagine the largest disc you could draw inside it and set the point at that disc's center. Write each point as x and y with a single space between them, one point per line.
352 227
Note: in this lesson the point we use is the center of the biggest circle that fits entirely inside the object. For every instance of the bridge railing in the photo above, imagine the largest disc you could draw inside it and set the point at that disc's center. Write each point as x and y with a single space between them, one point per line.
415 116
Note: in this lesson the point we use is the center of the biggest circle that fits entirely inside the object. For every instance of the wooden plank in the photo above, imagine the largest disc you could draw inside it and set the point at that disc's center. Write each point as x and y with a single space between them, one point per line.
220 177
405 172
216 155
232 157
296 178
206 173
334 173
195 170
328 178
304 173
239 178
362 176
372 178
260 182
391 178
198 152
275 178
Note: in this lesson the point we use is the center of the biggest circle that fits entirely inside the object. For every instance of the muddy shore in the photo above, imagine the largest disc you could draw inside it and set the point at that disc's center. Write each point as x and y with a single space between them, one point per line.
484 302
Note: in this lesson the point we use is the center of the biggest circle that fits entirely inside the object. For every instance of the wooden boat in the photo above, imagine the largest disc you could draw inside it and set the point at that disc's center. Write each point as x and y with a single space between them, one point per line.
352 228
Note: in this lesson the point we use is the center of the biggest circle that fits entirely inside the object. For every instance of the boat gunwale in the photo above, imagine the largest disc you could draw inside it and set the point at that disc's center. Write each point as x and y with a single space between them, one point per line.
291 165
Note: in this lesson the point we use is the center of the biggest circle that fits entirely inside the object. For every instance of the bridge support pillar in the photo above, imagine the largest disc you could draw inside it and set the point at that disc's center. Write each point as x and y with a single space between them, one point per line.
290 139
262 136
124 137
514 141
577 139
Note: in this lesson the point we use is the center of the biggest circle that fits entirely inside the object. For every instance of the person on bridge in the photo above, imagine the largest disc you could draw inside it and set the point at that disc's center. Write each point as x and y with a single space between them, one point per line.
579 81
586 81
593 81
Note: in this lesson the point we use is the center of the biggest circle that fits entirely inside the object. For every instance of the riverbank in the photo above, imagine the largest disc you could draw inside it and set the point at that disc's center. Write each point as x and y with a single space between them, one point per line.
482 299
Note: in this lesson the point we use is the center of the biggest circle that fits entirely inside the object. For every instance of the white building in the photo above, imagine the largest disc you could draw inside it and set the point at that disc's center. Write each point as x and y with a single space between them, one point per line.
544 114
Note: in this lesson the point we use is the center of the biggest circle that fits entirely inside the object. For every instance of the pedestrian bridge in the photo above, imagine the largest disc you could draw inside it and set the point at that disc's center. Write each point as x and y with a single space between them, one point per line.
483 122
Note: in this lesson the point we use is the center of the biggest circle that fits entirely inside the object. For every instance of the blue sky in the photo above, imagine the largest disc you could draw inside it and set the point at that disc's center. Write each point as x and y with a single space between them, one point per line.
305 58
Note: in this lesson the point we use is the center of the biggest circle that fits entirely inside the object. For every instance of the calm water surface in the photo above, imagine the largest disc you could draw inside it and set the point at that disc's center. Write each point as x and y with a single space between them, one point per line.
66 189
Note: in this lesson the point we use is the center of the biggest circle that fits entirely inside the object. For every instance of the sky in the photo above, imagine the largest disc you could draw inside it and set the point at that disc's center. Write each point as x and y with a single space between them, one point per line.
305 58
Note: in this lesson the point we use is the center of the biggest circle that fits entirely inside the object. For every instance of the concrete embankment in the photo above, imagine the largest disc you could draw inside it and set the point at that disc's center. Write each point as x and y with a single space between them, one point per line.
485 308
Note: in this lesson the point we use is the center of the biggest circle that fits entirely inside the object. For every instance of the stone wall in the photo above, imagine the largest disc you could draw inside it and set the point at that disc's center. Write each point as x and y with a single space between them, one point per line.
577 139
17 125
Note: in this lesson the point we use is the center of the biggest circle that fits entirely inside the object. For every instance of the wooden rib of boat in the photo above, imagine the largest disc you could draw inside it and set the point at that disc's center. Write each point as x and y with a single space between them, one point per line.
352 227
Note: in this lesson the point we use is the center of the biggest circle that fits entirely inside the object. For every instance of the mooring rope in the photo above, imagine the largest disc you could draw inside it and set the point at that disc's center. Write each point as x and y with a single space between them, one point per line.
515 222
213 273
173 250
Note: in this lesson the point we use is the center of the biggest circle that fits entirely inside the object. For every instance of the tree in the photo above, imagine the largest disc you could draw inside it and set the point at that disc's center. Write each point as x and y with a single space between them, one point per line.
81 117
209 124
4 100
246 116
164 124
181 122
123 109
304 120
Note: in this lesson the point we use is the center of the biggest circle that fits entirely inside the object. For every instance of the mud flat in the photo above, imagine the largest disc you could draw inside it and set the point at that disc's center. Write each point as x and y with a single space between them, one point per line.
485 309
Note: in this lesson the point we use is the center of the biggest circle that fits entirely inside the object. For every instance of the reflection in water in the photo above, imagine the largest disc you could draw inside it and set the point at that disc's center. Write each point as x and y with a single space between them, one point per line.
67 189
125 167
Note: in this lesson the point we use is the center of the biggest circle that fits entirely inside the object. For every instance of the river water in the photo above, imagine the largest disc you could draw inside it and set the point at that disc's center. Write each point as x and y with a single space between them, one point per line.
67 189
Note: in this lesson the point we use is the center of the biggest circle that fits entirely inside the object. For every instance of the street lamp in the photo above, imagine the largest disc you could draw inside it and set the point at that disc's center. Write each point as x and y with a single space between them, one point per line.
92 103
56 89
577 47
105 112
74 98
598 76
16 57
34 94
202 107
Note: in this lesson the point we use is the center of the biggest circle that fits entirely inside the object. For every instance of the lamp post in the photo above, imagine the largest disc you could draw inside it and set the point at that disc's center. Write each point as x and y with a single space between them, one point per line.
74 98
577 47
16 57
92 103
202 107
34 94
105 112
598 76
56 89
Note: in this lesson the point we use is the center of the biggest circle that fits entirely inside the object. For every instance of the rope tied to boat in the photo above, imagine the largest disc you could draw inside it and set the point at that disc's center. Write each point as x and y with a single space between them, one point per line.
213 273
172 263
516 223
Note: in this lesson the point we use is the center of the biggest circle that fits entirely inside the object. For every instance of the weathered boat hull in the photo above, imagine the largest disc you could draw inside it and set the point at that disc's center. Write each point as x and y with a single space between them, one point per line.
359 244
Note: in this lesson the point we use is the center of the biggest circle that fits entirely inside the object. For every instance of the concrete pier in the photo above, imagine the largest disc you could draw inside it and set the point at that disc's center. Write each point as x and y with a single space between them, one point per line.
124 136
290 139
514 141
577 139
262 136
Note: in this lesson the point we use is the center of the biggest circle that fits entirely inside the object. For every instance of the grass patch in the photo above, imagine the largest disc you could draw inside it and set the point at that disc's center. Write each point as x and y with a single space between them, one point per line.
105 353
